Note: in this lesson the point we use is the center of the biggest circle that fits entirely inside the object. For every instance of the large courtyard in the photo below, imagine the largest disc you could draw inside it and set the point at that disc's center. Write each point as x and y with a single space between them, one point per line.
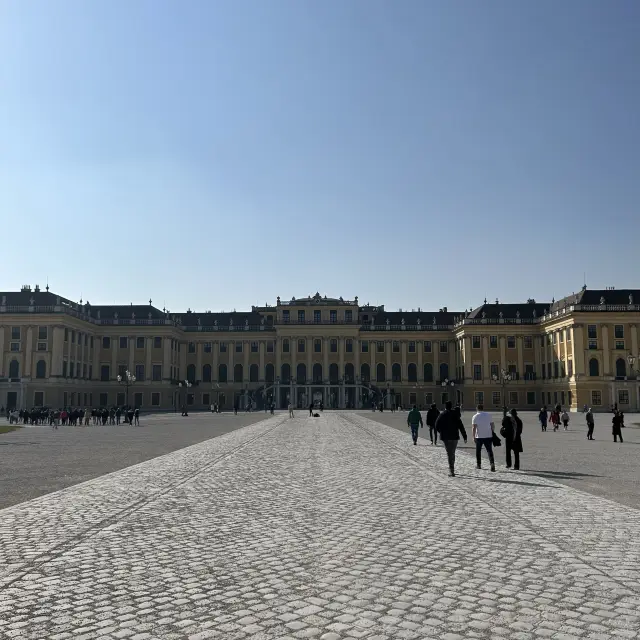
257 526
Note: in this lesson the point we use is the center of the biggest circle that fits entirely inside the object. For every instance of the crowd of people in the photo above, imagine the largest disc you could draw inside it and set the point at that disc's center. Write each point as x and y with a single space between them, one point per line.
73 416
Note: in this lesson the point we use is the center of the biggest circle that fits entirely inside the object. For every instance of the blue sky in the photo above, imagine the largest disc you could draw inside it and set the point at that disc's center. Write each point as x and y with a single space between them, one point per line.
215 155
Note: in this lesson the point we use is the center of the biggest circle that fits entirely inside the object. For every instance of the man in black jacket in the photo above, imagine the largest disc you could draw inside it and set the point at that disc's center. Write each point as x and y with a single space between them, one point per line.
431 417
449 426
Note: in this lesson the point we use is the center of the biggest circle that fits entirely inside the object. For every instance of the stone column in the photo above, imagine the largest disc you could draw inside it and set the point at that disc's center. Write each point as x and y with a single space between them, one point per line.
246 349
578 349
230 360
183 362
325 358
634 344
148 373
435 352
82 357
356 356
166 359
309 347
566 351
293 352
373 351
520 352
199 360
28 352
276 393
115 345
468 372
341 356
537 355
503 352
215 354
486 371
403 360
606 356
68 352
97 346
387 352
549 353
2 350
261 350
132 346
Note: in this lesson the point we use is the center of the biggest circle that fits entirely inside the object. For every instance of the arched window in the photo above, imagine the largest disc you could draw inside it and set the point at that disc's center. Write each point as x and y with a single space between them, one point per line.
41 369
444 371
396 373
222 373
237 373
428 372
349 373
333 373
381 373
206 373
285 373
621 368
594 368
301 373
317 372
191 373
412 373
365 374
269 373
253 373
14 369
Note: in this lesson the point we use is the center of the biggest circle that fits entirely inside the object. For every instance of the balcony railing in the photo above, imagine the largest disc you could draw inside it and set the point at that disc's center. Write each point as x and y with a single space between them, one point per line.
406 327
319 322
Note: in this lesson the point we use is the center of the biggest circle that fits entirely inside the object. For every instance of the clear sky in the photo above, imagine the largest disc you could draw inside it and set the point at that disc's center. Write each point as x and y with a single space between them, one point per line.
214 155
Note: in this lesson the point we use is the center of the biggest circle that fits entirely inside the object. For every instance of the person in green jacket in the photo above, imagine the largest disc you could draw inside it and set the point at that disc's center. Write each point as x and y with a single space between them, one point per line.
414 420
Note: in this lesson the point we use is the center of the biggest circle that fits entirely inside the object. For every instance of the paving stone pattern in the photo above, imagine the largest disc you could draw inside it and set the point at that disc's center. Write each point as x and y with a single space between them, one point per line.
335 527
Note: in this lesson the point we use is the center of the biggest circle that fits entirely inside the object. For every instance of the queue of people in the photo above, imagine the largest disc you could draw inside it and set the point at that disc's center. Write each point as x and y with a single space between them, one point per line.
74 416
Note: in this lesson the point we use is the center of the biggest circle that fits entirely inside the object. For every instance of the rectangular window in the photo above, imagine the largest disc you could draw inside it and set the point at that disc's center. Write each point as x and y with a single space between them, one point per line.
270 346
620 345
42 333
157 342
496 398
103 400
348 316
254 347
512 369
364 346
333 345
104 373
596 398
73 337
155 399
412 399
333 316
191 347
156 372
569 368
528 342
42 346
493 342
92 342
206 399
561 334
137 400
531 397
569 332
15 346
428 399
84 371
396 347
444 346
495 370
123 341
412 346
120 399
475 342
301 346
554 338
618 331
427 346
544 371
479 397
317 345
592 331
65 364
513 398
317 317
223 347
238 347
139 343
623 396
511 342
15 333
140 373
285 346
380 347
477 372
285 317
90 374
85 340
207 347
38 399
593 345
529 372
301 317
556 369
349 345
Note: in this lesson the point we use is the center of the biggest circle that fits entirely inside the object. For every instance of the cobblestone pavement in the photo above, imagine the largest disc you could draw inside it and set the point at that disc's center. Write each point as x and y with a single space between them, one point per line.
335 527
39 460
600 467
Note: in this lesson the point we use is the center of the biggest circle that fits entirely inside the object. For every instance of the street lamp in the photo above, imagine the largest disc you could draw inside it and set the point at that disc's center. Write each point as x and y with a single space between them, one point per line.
448 383
631 360
504 377
187 385
127 380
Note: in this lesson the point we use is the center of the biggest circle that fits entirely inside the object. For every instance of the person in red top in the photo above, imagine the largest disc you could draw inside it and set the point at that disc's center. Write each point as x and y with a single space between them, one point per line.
555 419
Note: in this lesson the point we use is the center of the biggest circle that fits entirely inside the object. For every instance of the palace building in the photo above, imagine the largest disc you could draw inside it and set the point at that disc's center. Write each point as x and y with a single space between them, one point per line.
582 349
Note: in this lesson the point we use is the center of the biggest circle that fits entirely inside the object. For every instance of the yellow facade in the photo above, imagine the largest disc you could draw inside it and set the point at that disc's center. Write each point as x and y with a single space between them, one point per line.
56 353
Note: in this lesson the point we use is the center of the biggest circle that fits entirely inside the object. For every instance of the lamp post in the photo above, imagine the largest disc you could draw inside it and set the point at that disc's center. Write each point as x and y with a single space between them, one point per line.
187 385
504 377
127 380
448 383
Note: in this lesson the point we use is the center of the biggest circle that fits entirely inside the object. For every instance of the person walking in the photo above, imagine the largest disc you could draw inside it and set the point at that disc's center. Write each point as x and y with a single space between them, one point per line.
290 410
414 420
136 416
542 416
311 410
555 419
565 420
512 433
482 431
590 424
449 426
431 417
616 423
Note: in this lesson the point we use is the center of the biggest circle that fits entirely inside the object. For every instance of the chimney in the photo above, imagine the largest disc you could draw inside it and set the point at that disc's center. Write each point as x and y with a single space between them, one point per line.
444 309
